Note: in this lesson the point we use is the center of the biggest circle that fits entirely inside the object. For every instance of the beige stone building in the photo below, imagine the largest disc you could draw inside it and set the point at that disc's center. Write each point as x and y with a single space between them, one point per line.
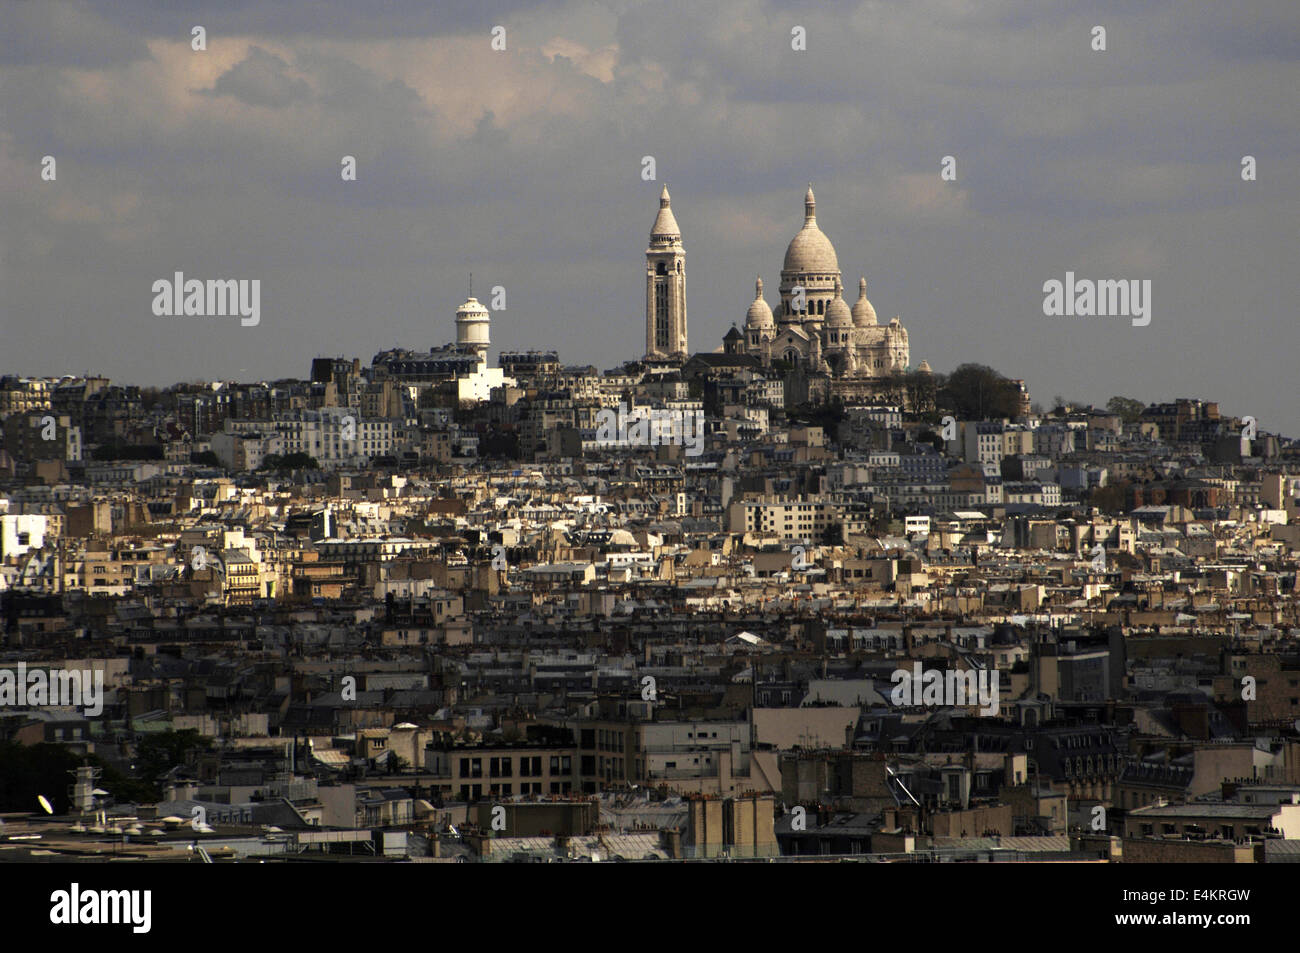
665 287
812 327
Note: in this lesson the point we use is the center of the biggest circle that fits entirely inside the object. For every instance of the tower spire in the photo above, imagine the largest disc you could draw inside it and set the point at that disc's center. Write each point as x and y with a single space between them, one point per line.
665 286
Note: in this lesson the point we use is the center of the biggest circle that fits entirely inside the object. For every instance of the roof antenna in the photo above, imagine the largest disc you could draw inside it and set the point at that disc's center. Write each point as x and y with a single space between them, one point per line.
471 284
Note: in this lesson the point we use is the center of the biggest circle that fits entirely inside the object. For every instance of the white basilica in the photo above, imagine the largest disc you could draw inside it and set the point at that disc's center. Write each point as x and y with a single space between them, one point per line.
813 328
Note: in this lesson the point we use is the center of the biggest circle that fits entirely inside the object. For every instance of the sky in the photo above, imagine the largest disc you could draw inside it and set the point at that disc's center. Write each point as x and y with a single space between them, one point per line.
524 167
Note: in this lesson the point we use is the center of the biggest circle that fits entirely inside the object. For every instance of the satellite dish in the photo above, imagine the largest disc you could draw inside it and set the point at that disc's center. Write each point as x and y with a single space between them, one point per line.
49 809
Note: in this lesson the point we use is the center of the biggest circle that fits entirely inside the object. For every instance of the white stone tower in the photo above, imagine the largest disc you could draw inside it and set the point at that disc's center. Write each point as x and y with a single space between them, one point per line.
665 287
472 321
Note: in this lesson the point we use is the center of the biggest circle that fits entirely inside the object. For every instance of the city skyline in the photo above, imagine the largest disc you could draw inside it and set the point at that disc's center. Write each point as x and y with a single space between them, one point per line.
648 433
524 165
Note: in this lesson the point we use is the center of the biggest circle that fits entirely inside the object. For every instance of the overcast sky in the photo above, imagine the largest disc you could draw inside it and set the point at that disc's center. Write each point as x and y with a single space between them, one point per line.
524 167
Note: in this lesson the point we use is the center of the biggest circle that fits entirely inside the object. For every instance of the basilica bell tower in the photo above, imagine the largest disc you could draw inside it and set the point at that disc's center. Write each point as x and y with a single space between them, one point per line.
665 287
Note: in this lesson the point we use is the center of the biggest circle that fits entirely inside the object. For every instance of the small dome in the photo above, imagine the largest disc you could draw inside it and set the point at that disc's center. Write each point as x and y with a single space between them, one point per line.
759 315
924 368
810 250
665 226
471 308
863 313
838 314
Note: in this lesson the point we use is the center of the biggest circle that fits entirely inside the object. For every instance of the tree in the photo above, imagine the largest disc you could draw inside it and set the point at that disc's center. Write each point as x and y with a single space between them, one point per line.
205 459
159 752
934 439
1110 499
290 461
894 388
922 392
127 451
1126 408
27 771
977 392
828 416
499 444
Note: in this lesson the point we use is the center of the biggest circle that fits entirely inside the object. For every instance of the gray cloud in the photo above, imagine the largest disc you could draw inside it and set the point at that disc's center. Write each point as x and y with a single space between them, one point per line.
523 167
261 79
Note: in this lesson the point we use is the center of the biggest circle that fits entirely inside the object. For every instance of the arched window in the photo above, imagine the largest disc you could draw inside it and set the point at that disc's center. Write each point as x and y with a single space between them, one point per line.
661 269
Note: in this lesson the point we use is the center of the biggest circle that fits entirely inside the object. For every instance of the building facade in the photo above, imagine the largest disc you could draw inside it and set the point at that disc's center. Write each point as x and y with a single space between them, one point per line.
665 287
812 327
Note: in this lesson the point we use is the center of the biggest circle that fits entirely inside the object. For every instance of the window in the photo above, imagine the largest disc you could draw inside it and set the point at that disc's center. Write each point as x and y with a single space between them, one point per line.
661 313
